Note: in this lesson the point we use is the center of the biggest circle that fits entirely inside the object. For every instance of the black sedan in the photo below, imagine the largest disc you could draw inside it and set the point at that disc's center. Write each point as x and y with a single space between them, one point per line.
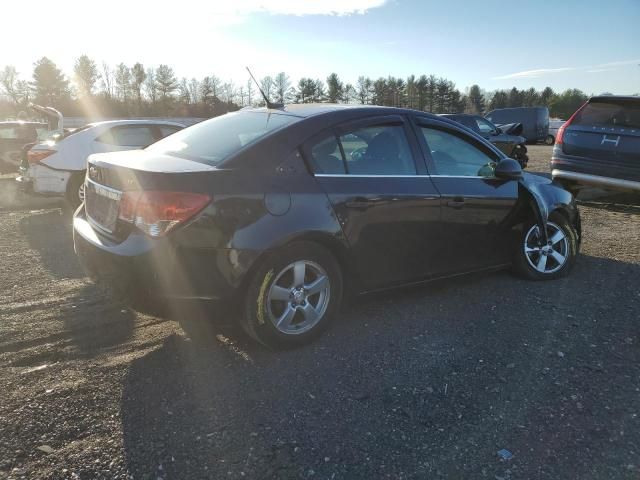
284 210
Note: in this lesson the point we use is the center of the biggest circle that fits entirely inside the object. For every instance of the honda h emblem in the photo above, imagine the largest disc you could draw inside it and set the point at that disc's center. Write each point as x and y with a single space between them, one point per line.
610 140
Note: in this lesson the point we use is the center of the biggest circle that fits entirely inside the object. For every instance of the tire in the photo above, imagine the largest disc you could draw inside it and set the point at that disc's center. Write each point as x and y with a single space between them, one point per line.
550 140
75 190
295 316
536 262
520 154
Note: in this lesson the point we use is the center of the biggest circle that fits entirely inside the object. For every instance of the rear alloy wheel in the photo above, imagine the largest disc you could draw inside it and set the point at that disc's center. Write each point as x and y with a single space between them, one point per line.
549 140
293 295
538 259
75 190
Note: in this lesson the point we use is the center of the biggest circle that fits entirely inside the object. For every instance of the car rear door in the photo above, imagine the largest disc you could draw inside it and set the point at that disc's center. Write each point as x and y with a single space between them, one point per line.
474 202
605 133
385 202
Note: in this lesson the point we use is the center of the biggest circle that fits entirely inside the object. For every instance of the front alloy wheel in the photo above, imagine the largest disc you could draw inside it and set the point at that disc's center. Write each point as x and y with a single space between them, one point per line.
550 257
537 258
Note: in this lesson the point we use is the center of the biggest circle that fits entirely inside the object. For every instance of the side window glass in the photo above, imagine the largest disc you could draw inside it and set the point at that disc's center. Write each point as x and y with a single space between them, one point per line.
378 150
166 130
484 126
326 157
455 156
133 136
106 137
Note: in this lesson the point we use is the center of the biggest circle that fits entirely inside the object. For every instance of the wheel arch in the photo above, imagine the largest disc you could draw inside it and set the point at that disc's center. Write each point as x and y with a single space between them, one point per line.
335 246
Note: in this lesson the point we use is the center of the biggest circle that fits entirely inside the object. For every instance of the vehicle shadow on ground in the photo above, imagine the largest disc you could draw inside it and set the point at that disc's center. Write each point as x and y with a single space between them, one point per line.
620 202
91 321
430 381
50 234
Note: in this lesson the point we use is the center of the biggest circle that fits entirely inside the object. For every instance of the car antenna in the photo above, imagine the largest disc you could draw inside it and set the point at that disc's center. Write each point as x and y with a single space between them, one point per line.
268 102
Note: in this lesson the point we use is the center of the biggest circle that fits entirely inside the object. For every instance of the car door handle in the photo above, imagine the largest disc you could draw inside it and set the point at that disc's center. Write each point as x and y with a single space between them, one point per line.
457 202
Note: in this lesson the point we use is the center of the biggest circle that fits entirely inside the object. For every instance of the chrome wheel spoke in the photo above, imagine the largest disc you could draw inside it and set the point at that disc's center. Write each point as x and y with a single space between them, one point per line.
280 293
556 247
284 322
299 269
557 237
310 313
288 307
558 257
542 263
317 285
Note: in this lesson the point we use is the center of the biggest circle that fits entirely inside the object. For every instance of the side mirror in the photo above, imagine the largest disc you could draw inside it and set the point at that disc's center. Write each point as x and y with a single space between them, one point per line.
508 169
497 131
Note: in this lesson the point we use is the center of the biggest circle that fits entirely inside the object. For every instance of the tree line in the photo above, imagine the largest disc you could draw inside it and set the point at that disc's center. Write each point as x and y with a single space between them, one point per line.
136 90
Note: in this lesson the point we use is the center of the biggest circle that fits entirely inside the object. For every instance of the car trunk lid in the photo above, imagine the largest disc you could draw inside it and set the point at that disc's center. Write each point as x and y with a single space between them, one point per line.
607 131
112 178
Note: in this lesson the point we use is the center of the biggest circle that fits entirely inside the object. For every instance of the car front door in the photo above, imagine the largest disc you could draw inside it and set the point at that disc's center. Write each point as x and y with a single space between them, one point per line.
384 200
474 202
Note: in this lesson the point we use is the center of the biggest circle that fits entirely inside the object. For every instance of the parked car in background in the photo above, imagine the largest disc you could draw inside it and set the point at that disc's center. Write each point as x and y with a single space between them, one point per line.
57 167
513 145
17 137
554 126
14 136
281 209
600 145
534 120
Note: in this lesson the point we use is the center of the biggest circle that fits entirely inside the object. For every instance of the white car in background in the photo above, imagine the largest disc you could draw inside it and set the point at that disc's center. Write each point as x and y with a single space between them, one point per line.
554 126
58 167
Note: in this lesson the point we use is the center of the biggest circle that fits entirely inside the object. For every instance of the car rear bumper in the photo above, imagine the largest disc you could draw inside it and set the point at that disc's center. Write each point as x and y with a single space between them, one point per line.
160 268
595 180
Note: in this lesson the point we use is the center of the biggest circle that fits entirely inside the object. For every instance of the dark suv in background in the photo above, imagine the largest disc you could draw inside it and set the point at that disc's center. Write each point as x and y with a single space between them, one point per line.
600 146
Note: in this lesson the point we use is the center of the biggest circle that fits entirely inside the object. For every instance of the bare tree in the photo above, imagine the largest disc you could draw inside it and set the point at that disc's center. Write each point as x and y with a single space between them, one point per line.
107 80
9 83
194 90
249 92
267 84
123 82
150 85
138 76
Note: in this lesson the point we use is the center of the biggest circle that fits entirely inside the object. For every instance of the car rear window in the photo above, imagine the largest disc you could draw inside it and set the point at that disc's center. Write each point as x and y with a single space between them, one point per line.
214 140
619 113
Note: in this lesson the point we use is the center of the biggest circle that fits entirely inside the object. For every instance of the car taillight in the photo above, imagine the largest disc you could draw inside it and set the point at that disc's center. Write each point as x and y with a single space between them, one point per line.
560 134
156 213
35 156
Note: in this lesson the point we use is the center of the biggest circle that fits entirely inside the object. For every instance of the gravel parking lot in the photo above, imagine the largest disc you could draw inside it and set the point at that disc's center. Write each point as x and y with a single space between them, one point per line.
429 382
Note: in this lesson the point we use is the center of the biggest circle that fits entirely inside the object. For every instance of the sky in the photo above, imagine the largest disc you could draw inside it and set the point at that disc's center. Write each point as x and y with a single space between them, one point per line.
593 45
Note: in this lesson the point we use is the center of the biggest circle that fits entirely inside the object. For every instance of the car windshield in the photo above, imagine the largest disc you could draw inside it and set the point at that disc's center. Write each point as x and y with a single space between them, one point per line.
214 140
618 113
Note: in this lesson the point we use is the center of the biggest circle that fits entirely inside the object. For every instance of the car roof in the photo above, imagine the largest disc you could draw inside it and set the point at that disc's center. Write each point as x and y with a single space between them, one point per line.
135 122
616 97
18 122
305 110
